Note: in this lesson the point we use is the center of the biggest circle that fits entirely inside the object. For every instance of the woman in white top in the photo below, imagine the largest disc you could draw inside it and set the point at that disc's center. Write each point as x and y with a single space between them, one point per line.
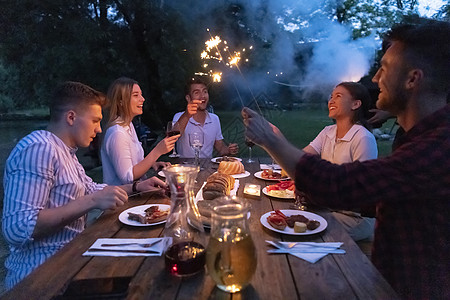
122 154
347 141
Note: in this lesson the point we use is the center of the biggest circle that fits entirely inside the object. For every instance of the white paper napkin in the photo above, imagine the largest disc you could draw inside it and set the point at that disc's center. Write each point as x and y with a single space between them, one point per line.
309 251
159 247
270 166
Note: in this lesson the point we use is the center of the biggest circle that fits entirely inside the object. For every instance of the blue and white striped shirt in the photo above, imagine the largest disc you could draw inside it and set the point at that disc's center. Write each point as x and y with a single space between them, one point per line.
41 172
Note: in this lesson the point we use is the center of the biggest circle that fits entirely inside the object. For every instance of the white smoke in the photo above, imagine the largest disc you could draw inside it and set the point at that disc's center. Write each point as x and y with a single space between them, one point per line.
289 29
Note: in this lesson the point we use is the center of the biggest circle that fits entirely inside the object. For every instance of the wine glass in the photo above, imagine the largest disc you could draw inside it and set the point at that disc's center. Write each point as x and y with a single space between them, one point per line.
300 200
196 143
250 145
173 128
273 164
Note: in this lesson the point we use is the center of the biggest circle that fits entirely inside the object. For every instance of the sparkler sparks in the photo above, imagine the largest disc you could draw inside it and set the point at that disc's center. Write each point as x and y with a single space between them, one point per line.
218 50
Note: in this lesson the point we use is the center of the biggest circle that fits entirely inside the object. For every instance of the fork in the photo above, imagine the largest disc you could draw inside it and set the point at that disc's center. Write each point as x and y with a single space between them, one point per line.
279 244
147 245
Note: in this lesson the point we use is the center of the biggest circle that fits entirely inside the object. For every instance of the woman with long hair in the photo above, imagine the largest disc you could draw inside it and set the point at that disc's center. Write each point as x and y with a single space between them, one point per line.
122 154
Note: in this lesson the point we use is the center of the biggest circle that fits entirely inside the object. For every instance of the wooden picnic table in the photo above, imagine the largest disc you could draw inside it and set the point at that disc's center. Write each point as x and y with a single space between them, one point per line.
69 275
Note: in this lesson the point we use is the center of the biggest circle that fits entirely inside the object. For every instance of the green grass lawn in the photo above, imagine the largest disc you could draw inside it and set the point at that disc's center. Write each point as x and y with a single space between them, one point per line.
300 127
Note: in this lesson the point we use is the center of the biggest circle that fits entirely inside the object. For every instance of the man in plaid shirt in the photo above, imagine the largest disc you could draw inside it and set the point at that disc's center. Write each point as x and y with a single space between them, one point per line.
411 187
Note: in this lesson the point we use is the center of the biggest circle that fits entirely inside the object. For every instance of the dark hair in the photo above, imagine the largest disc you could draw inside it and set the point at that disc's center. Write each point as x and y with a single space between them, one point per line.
359 92
194 80
426 46
73 95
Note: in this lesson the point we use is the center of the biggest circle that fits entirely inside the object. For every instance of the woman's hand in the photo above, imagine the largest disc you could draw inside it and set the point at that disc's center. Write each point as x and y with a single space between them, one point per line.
167 144
161 165
151 184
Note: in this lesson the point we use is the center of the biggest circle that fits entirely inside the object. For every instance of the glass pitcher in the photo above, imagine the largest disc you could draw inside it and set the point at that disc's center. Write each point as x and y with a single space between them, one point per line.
231 254
185 253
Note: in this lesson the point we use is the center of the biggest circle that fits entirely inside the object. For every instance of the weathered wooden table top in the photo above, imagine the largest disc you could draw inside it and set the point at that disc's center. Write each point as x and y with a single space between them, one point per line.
69 275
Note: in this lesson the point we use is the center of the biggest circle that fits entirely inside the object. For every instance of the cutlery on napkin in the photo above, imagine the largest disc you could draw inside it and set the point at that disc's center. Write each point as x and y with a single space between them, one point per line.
270 166
309 251
127 247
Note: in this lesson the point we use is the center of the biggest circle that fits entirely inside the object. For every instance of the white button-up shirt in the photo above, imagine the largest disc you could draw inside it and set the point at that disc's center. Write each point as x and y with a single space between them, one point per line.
41 172
121 150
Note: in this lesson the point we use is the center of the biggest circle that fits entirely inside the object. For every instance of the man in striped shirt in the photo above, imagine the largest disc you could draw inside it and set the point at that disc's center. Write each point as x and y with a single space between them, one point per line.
47 193
411 187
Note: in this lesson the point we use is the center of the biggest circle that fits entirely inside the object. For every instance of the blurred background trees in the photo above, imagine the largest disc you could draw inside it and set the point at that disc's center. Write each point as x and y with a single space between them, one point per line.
158 43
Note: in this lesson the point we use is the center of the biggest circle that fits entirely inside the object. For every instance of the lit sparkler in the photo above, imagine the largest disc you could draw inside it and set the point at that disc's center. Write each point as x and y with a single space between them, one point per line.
219 50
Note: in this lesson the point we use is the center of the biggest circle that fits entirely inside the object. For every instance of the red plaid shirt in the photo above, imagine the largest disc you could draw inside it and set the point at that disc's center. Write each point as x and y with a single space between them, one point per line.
411 188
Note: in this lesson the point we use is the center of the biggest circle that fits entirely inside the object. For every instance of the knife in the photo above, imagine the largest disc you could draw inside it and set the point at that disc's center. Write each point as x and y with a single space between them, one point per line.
122 250
292 250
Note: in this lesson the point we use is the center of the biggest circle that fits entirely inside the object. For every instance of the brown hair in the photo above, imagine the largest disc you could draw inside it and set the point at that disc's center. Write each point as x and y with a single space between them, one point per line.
72 95
118 96
359 92
194 80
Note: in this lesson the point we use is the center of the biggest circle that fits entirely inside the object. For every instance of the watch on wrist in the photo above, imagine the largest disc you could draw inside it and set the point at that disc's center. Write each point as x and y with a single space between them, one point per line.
134 188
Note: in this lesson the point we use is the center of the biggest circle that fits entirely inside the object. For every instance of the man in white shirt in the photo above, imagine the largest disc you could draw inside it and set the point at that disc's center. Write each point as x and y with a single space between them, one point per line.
197 118
47 193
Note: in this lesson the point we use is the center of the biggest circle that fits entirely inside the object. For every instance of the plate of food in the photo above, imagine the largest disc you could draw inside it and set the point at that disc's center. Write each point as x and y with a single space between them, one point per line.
145 215
217 160
271 175
282 190
293 222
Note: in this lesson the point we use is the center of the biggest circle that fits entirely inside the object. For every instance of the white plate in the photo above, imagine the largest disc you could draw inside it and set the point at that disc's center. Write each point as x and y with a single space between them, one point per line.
258 175
289 230
242 175
161 173
214 160
123 217
265 192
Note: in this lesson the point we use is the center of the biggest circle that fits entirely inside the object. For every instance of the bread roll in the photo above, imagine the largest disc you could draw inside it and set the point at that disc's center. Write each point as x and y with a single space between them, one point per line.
231 167
217 185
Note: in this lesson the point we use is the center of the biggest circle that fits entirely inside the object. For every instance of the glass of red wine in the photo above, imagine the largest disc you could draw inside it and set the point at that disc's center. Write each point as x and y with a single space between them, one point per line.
250 145
172 129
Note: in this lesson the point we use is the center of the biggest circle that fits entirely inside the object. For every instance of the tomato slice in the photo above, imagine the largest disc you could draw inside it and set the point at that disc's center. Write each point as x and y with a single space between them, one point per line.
277 212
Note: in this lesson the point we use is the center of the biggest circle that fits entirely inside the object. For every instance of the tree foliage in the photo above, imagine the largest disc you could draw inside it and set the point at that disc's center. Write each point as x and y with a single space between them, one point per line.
156 42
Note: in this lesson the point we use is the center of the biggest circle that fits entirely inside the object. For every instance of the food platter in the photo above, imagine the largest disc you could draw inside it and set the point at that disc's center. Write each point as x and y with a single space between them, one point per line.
215 159
265 192
259 176
233 192
289 230
123 217
199 197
